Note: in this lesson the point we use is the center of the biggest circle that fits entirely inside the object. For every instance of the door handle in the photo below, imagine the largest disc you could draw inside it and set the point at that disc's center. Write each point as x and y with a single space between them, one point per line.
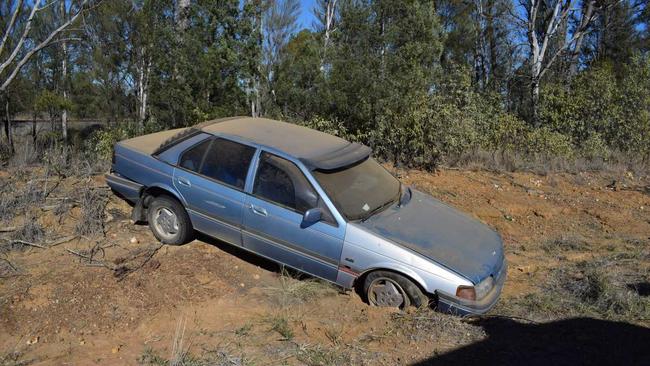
217 204
259 210
183 181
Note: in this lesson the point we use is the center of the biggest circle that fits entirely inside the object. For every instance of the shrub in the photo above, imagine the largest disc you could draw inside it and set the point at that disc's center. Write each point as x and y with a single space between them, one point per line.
544 142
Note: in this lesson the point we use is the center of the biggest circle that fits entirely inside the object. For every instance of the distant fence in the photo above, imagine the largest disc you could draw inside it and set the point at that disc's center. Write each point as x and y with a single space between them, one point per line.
24 126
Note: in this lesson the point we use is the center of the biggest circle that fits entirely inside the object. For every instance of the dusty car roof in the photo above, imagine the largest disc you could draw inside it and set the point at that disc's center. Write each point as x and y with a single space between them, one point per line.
317 149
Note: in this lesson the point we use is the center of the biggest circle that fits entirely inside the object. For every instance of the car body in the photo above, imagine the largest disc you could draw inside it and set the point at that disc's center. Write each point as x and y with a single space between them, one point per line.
313 202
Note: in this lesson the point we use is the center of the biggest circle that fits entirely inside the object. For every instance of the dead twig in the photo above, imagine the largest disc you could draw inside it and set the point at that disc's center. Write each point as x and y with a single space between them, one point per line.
9 264
8 229
62 240
26 243
91 261
122 272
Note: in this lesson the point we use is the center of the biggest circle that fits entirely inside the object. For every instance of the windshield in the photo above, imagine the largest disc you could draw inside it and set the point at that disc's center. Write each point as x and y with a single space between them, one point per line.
359 190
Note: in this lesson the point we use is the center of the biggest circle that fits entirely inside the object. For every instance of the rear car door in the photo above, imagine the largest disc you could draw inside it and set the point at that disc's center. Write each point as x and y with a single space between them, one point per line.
273 215
211 177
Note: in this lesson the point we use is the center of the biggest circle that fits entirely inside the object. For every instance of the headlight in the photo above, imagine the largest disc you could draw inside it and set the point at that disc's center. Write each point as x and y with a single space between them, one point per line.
466 292
475 292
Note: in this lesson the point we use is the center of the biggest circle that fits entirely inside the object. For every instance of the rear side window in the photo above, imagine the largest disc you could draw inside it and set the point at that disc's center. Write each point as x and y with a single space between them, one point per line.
227 162
282 182
192 158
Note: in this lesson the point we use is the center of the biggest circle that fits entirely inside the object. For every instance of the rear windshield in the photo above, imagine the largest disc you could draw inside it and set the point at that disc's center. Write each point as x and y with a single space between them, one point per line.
359 189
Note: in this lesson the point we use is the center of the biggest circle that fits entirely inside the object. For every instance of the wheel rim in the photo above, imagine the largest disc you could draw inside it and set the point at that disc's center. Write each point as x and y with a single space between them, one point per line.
166 222
386 292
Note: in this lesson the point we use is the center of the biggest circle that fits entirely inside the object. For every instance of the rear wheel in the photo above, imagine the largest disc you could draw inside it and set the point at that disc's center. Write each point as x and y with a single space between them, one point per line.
389 289
169 221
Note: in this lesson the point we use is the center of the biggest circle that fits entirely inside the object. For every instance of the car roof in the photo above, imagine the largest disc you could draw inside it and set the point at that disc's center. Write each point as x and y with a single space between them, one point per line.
316 149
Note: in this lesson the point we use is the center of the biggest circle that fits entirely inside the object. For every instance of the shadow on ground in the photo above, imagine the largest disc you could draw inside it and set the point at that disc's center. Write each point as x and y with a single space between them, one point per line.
578 341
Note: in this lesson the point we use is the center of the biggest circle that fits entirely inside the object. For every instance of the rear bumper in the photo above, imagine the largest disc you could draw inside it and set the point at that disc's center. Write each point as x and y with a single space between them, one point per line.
448 303
127 188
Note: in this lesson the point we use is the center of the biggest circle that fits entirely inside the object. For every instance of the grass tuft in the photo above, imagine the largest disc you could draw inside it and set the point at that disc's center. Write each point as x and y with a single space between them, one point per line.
293 290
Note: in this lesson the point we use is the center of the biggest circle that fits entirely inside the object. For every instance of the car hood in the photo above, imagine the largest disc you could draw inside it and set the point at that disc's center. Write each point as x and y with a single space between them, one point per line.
442 234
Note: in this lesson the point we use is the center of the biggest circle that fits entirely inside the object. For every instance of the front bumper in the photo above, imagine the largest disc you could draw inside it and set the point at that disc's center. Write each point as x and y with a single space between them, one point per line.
448 303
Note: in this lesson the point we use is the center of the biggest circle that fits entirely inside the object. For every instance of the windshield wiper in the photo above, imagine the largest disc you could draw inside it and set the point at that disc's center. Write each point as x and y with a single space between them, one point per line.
405 197
382 207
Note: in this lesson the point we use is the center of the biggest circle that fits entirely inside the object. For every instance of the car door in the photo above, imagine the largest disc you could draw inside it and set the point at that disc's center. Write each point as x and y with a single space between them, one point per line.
273 215
211 177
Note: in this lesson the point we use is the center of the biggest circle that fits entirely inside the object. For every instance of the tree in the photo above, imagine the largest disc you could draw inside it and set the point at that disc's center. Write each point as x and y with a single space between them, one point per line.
279 25
326 13
542 23
23 46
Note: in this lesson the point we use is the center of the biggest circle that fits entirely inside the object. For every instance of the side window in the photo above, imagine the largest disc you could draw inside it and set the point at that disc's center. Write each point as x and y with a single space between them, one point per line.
192 158
228 161
281 181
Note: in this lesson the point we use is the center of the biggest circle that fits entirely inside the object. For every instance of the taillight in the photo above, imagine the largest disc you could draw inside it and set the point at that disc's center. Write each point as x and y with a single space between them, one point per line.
466 292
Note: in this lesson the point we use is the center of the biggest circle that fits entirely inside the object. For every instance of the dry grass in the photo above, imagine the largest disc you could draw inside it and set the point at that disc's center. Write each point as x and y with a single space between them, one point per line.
426 324
317 355
292 290
92 203
598 288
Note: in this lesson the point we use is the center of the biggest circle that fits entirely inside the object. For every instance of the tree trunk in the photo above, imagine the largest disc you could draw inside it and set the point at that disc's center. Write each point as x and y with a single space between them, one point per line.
577 49
534 99
8 126
64 77
143 90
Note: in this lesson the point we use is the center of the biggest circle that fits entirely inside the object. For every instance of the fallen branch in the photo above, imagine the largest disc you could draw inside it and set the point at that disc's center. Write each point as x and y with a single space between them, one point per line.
26 243
91 261
10 264
62 240
8 229
121 272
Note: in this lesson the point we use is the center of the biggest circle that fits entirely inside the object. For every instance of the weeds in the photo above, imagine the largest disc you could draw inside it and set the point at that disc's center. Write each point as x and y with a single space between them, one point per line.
13 359
320 356
586 288
426 324
280 324
92 203
296 291
565 243
31 230
210 358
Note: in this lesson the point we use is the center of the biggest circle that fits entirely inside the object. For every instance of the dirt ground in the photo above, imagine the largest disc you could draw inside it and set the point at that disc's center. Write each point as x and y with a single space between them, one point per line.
119 298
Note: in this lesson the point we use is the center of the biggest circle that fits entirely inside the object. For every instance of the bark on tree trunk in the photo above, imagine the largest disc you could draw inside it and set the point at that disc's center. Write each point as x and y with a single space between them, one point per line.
8 126
64 76
534 98
584 22
143 90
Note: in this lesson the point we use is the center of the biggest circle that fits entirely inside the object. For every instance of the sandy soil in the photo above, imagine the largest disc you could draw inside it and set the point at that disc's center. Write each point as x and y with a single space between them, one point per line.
59 309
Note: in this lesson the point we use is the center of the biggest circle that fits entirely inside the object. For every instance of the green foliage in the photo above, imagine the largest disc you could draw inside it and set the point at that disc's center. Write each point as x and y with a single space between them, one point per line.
50 102
101 142
422 82
599 112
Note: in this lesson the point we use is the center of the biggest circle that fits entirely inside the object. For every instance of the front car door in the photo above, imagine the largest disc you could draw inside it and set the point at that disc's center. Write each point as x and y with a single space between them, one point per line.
211 177
273 215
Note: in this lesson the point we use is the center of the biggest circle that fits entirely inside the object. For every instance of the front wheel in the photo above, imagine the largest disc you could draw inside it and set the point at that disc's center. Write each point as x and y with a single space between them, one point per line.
389 289
169 221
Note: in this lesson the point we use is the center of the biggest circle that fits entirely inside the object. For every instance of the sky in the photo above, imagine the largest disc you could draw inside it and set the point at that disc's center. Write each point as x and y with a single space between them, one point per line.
306 13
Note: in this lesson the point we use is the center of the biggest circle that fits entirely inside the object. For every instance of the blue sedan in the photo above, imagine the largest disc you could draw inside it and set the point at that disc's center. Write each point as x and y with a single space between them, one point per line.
313 202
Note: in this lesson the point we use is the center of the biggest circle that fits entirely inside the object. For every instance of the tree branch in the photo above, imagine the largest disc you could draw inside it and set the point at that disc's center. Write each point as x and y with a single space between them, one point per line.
10 26
28 27
40 46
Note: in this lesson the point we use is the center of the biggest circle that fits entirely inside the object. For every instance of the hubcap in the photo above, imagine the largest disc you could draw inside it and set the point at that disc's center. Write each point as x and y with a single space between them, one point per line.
386 292
166 222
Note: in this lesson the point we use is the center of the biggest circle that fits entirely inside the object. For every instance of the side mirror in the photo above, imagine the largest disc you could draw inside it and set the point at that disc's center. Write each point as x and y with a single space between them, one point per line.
311 216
